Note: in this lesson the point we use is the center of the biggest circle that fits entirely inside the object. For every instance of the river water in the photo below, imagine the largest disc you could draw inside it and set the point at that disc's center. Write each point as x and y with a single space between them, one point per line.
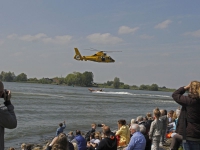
41 107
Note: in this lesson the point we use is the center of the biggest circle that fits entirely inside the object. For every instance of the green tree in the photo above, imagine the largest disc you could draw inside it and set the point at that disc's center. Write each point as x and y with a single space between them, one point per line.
87 78
109 83
7 76
21 77
126 86
69 80
144 87
116 83
153 87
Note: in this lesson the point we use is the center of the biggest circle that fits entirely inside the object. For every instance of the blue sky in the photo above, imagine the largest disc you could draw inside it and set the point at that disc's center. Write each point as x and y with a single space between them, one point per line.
159 40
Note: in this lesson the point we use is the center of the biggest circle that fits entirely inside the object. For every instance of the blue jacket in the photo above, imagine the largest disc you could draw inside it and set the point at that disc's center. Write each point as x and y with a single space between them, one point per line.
81 142
60 130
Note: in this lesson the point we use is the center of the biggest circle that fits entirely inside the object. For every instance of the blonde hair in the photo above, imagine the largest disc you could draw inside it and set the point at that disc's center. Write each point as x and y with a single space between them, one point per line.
23 146
194 91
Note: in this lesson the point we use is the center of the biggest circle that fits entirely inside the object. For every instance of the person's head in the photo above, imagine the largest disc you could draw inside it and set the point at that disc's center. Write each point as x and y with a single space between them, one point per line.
70 133
156 112
29 147
142 129
12 148
1 89
162 112
96 136
106 131
194 90
139 119
78 132
61 142
165 111
170 113
133 121
23 146
93 125
121 122
60 124
149 116
134 128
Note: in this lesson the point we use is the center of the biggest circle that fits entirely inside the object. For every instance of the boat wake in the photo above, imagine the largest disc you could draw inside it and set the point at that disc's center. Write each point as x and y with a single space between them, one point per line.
127 93
39 94
122 93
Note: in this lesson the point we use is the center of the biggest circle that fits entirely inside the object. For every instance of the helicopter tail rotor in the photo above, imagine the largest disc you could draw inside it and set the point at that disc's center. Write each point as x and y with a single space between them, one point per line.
77 55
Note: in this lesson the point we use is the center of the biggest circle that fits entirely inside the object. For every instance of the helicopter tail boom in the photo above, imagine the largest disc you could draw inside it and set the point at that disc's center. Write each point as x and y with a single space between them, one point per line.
77 55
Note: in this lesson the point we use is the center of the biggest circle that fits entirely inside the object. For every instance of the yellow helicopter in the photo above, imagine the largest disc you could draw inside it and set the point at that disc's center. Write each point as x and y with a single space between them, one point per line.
100 56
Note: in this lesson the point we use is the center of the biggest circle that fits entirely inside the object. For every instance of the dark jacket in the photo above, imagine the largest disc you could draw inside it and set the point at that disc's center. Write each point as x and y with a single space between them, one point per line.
108 144
192 108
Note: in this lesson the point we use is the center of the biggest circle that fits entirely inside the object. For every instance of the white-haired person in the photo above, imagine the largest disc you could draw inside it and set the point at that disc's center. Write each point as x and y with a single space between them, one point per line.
7 114
138 140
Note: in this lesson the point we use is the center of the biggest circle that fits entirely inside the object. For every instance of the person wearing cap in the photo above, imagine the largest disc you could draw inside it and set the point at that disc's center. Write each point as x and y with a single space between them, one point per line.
7 114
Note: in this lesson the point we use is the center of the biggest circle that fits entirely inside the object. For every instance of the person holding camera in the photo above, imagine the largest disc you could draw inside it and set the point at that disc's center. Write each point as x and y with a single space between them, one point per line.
7 114
189 121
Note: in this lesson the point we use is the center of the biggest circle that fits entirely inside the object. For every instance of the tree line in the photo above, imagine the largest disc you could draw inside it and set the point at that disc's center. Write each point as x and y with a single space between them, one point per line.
84 79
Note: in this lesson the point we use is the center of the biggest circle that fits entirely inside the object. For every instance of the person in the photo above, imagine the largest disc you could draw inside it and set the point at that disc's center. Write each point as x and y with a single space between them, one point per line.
148 141
80 140
109 142
189 120
138 141
170 116
164 120
60 142
23 146
156 130
12 148
7 114
59 130
70 136
93 128
123 132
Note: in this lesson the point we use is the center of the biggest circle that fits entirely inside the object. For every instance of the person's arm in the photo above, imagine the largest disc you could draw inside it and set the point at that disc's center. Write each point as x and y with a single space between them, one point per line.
131 144
74 141
181 99
118 132
151 130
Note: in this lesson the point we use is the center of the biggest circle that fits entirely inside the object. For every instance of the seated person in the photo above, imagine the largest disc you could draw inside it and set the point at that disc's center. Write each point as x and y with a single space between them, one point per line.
123 132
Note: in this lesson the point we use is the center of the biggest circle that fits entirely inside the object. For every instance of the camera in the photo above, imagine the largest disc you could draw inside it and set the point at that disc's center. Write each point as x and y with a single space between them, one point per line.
100 125
4 92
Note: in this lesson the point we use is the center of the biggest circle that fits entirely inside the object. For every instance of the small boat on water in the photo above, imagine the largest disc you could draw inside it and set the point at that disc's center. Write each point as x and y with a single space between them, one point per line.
93 90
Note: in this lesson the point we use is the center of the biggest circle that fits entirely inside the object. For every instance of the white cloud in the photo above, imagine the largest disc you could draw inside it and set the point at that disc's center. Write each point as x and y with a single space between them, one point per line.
12 36
145 36
41 37
127 30
105 38
194 33
163 24
31 38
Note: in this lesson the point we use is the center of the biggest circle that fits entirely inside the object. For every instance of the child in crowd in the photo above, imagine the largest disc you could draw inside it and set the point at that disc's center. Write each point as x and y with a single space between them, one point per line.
155 130
61 128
